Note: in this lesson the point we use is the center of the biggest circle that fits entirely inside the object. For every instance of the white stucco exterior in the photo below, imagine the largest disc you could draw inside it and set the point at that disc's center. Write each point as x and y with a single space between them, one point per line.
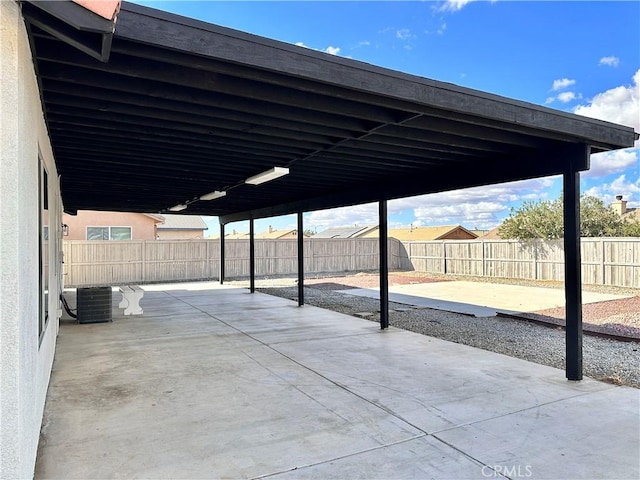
25 357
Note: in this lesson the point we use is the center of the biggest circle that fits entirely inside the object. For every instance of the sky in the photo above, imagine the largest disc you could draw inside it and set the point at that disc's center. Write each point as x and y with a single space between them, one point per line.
580 57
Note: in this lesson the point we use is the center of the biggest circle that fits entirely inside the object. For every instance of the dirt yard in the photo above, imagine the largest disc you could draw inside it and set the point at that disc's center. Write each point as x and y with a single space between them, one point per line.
616 317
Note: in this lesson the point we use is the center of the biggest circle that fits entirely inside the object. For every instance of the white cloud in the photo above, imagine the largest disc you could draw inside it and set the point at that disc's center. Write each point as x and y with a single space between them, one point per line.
607 163
472 215
331 50
562 83
481 207
566 97
630 190
366 214
609 61
404 34
454 5
618 105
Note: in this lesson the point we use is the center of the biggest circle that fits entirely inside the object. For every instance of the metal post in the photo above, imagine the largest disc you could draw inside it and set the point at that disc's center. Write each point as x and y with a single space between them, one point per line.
252 258
221 253
384 265
300 260
572 273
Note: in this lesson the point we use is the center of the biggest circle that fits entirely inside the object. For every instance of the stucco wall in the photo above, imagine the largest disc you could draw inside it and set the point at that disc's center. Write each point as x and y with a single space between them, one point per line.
142 226
25 362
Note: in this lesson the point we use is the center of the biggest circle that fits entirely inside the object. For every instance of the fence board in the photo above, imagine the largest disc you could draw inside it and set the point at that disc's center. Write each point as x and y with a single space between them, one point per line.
90 263
605 261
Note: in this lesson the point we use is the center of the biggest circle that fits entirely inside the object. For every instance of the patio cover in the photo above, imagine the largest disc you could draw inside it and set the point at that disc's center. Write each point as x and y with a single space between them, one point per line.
178 108
165 109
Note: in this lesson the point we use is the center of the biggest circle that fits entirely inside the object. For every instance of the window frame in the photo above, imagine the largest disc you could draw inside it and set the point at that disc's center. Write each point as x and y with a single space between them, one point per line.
44 266
110 236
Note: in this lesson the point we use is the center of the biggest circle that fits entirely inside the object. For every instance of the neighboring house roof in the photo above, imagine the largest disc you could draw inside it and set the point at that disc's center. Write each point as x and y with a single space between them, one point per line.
345 232
182 222
425 233
157 218
235 236
230 236
274 234
620 207
493 234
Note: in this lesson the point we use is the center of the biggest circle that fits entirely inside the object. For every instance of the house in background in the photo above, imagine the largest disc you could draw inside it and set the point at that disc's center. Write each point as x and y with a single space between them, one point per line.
272 234
447 232
234 235
493 234
346 232
181 227
620 207
93 225
479 232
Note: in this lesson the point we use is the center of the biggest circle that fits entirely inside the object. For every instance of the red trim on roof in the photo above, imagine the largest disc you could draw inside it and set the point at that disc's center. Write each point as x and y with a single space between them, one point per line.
105 8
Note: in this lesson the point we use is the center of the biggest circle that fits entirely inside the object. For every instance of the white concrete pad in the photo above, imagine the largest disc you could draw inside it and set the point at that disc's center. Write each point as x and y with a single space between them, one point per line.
587 436
479 299
235 385
431 383
421 458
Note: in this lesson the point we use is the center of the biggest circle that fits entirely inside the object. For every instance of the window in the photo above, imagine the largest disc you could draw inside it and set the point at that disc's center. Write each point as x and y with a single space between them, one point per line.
43 244
108 233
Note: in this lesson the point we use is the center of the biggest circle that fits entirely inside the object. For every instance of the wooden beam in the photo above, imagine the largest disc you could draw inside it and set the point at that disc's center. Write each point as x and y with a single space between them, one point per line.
384 264
85 79
300 260
222 254
573 264
437 180
193 78
157 28
252 257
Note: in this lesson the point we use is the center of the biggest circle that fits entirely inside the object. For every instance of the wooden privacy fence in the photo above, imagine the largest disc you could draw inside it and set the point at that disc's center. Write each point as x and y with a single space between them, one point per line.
89 263
605 261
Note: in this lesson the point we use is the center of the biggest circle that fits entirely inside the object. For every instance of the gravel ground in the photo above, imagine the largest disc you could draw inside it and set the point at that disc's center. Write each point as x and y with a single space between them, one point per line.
608 360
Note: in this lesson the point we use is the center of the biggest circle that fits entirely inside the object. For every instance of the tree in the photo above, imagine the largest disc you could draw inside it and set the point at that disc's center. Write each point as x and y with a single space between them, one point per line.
631 228
544 219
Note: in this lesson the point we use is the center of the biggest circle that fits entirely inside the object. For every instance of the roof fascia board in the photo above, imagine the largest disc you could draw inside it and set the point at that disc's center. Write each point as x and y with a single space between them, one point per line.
76 15
146 25
73 24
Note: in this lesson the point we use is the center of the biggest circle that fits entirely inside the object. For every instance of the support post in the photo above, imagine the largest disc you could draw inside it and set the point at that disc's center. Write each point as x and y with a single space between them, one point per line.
252 258
300 260
384 265
572 273
221 253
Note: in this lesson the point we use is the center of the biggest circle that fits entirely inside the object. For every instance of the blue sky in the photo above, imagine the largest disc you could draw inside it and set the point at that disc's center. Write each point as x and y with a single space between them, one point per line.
574 56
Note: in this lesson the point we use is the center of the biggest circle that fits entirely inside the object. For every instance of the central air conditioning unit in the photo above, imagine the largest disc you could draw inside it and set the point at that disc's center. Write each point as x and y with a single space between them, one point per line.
94 304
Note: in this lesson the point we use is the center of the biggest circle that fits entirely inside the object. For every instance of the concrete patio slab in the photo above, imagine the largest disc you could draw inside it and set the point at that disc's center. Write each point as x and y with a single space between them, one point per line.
240 385
479 299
